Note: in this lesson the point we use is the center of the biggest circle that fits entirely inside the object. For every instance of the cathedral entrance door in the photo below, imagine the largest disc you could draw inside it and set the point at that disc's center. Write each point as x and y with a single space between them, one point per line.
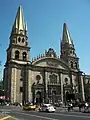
70 96
38 98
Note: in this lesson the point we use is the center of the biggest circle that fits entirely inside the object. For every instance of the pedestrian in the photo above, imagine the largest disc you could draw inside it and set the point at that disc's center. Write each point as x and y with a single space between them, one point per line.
70 106
86 107
80 106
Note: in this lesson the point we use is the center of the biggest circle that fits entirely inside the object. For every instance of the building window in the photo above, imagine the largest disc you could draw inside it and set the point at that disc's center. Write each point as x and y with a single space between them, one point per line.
71 64
21 89
26 43
19 39
23 40
76 66
54 92
21 79
17 54
24 55
70 51
66 81
38 77
53 79
13 41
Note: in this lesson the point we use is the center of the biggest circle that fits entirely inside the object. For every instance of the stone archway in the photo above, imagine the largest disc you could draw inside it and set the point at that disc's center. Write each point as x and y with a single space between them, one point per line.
70 96
38 98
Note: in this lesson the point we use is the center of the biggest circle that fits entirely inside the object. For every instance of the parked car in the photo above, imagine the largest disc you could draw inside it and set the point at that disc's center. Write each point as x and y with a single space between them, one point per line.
47 108
29 107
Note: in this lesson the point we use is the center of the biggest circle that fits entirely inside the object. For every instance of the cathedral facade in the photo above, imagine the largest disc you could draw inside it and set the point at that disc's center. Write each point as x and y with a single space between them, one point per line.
46 78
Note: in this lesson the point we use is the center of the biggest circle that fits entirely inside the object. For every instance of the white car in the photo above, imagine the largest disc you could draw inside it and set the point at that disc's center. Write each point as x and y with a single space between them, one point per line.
47 108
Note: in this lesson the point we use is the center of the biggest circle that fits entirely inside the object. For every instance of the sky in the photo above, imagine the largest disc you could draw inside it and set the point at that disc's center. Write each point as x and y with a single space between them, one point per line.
45 20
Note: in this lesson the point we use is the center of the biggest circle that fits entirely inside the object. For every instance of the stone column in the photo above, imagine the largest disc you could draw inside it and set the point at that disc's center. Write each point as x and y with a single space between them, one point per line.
13 85
82 87
44 82
59 82
46 85
29 86
46 74
27 72
71 82
62 87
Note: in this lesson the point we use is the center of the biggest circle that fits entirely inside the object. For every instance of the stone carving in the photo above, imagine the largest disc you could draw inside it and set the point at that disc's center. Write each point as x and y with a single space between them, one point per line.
52 64
53 78
50 53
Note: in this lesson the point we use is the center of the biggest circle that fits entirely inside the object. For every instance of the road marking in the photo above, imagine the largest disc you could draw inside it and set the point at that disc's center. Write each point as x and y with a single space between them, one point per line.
4 118
48 118
70 115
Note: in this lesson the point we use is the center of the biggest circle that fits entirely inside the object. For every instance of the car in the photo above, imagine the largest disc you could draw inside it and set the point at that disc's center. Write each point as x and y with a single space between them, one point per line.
29 107
47 108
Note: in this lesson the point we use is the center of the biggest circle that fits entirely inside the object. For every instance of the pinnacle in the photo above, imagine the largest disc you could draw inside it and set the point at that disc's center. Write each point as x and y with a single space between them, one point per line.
19 24
66 35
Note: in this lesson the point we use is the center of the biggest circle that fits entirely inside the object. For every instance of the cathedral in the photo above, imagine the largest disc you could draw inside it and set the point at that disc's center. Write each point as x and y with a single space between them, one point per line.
46 78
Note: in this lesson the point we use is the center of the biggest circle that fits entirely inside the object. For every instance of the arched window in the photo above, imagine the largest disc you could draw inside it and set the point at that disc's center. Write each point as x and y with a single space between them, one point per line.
38 77
24 55
23 40
70 51
26 43
21 79
19 39
76 65
66 80
16 54
71 64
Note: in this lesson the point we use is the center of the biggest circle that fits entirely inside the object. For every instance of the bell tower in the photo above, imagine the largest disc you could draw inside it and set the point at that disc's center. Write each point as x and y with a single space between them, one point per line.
18 50
68 53
17 57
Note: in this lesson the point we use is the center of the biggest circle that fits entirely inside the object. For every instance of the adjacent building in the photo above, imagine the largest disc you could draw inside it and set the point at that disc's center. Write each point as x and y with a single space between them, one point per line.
46 78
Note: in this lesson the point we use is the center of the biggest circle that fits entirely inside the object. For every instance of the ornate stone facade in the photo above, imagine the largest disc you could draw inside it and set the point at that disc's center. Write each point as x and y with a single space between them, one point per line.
48 77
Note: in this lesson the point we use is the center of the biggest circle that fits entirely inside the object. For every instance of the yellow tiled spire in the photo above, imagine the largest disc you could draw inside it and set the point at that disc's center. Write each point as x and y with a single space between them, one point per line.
19 25
66 35
19 20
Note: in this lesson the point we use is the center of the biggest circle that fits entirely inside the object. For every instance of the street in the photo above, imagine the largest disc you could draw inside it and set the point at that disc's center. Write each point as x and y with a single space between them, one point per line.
19 114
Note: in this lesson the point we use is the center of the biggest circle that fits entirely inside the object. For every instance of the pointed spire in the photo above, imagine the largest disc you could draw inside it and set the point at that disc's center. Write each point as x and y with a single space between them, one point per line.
19 24
66 35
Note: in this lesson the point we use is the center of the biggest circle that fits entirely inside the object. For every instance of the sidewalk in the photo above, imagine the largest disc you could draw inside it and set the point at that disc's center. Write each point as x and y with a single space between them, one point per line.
64 109
75 109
